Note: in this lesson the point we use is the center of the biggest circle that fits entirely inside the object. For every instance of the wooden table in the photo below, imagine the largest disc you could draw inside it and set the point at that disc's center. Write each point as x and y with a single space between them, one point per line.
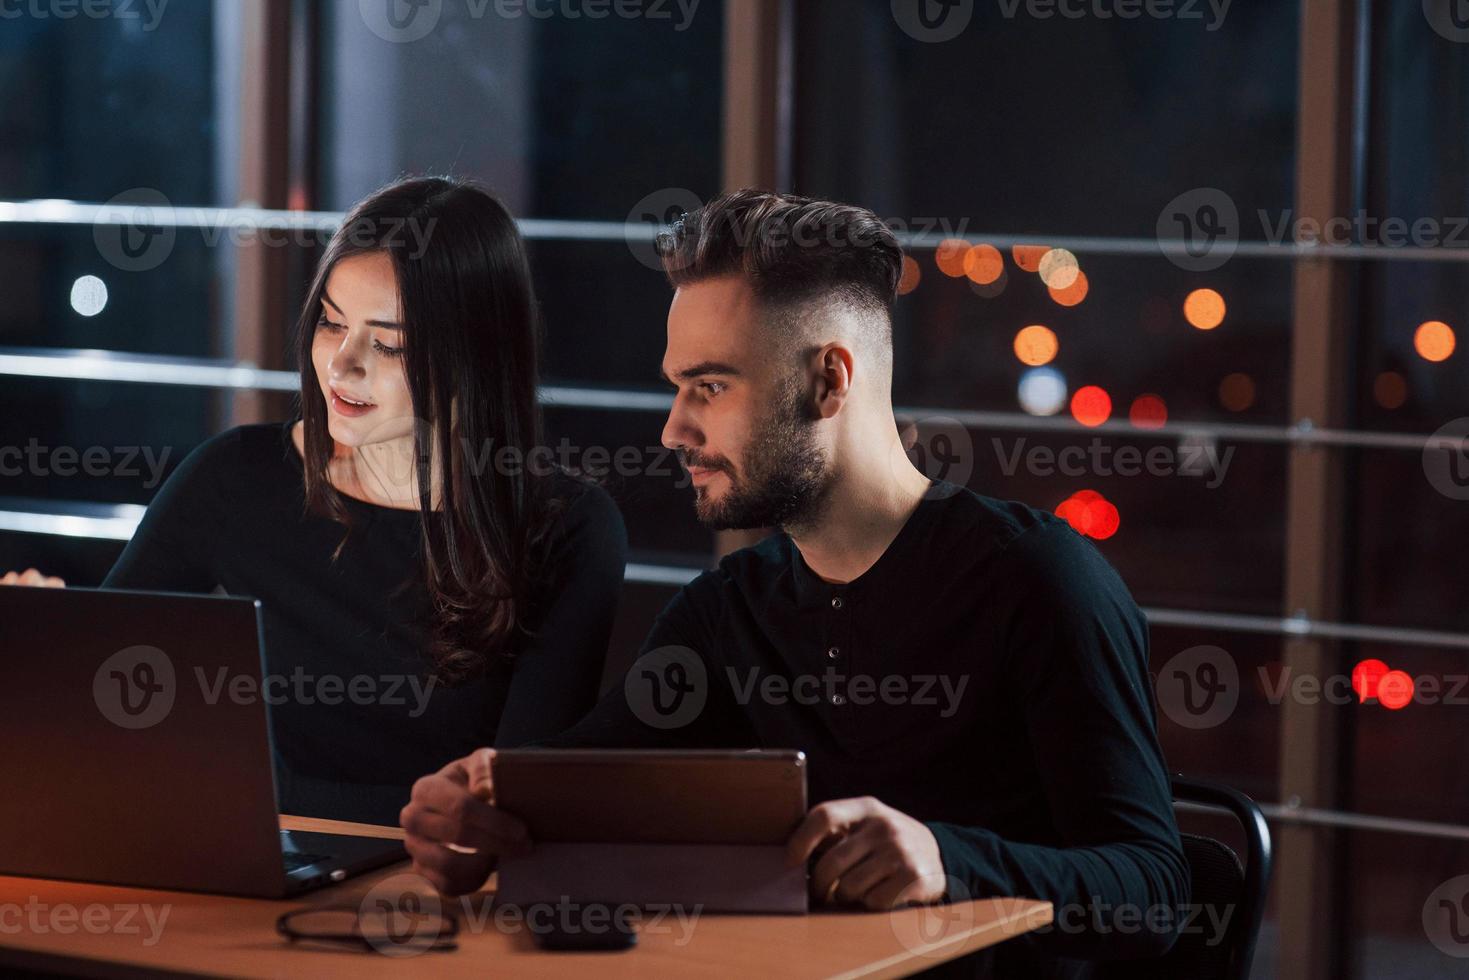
108 931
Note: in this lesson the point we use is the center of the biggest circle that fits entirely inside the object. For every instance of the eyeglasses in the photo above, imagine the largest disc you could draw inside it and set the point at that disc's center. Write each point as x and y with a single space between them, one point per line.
393 930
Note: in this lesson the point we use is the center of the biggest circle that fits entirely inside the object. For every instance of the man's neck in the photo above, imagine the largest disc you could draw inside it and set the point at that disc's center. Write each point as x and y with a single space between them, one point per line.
860 517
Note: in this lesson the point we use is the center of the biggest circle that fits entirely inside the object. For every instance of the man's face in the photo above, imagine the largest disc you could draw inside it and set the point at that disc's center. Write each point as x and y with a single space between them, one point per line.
742 421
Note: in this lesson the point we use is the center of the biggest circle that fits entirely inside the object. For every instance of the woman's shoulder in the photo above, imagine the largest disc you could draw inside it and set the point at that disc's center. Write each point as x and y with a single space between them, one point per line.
243 455
245 447
578 499
583 516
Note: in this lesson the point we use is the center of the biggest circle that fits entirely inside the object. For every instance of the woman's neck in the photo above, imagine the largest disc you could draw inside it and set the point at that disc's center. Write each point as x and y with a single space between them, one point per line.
381 473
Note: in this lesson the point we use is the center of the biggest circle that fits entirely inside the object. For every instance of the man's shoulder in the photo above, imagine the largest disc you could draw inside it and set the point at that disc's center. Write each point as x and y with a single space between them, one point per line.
970 519
747 573
1021 549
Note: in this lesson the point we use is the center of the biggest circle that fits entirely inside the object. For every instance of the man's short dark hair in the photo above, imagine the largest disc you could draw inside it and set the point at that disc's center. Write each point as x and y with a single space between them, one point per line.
791 250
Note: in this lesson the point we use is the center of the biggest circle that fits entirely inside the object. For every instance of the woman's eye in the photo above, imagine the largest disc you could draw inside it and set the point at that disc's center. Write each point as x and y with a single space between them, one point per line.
385 350
325 324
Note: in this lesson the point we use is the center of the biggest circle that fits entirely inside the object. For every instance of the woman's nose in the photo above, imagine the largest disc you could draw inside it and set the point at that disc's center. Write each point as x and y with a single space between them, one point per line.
347 363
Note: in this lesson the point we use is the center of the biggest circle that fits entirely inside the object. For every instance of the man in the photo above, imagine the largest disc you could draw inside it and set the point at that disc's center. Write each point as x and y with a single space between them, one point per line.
968 677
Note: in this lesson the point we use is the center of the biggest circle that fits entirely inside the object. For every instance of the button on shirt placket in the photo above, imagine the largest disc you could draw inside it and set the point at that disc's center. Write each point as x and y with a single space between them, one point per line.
836 664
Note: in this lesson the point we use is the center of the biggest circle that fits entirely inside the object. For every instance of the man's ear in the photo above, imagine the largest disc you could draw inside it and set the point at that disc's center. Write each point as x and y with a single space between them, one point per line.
833 364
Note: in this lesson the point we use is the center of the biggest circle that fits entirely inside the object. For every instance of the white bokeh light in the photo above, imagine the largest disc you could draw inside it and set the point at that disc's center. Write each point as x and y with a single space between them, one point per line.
1042 391
88 295
1058 268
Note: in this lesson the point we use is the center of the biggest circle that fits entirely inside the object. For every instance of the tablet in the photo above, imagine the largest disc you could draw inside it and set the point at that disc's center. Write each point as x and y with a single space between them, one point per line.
653 796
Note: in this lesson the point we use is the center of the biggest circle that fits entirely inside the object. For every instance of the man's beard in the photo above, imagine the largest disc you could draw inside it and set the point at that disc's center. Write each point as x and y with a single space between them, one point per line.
784 473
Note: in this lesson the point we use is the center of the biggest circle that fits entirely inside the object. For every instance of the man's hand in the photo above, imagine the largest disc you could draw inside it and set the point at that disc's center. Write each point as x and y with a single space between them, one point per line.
871 855
32 577
455 834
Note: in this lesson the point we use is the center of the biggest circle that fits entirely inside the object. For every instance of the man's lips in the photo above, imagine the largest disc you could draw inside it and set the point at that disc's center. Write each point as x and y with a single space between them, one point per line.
701 474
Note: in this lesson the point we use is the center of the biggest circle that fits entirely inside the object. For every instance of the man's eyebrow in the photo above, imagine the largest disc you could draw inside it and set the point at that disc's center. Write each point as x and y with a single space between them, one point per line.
702 368
383 324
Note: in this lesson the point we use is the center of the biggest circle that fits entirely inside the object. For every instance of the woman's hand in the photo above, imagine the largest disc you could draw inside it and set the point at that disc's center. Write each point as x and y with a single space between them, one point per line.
32 577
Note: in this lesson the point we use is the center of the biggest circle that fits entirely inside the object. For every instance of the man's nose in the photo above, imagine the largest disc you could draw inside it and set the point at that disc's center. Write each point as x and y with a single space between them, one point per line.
679 432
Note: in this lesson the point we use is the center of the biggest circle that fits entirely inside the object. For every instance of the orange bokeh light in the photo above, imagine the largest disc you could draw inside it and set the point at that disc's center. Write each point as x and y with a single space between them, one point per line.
1036 345
983 264
1204 309
950 255
1148 412
911 277
1072 294
1434 340
1091 405
1028 257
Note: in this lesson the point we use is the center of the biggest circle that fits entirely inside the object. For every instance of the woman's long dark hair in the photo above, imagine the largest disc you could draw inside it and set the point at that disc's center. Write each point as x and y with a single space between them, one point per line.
471 338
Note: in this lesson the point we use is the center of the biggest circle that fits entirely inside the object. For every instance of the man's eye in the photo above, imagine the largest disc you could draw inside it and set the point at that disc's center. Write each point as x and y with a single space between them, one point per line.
712 387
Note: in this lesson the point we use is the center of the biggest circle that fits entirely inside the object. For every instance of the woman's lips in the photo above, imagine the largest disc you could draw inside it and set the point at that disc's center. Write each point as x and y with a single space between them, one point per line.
350 409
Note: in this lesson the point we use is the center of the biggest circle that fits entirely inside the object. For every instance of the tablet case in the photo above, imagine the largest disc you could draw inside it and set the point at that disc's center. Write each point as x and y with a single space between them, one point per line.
701 830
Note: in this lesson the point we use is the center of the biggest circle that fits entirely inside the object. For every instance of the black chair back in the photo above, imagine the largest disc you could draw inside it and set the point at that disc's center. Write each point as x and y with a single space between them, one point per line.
1222 886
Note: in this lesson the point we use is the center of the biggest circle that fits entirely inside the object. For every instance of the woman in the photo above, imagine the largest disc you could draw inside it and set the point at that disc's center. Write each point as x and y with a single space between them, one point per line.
427 588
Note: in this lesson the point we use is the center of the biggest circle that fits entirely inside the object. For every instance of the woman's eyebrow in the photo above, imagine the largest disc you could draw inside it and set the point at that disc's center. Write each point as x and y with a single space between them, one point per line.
383 324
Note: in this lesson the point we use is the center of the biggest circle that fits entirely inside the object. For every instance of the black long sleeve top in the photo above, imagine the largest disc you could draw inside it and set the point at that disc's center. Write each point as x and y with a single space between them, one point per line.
231 518
988 676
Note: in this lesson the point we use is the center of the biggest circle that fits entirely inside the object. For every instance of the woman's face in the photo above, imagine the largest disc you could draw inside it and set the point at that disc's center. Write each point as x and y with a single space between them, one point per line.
358 353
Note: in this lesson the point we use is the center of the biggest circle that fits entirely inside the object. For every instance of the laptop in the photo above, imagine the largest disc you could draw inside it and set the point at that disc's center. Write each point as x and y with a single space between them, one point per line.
127 761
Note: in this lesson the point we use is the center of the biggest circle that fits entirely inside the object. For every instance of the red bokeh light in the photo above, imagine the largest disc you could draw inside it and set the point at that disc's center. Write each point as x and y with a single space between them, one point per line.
1090 514
1365 678
1148 412
1091 405
1395 689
